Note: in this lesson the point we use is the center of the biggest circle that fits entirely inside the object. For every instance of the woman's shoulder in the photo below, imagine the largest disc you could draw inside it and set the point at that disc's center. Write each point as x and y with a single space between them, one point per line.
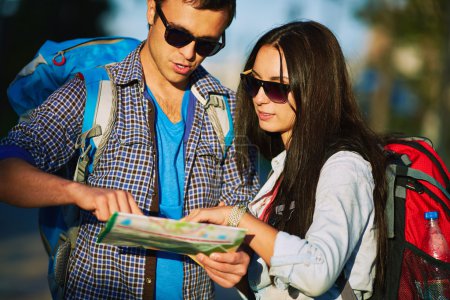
350 158
347 166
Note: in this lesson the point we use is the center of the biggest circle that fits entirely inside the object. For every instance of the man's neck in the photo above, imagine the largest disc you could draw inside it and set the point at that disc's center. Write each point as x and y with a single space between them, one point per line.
168 95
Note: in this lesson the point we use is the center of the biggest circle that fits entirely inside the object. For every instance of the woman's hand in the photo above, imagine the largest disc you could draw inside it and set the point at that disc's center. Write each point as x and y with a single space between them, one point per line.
215 215
260 236
226 269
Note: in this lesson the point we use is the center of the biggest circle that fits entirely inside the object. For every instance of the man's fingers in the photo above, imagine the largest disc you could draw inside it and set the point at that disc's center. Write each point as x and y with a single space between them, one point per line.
124 203
102 209
114 204
104 202
134 207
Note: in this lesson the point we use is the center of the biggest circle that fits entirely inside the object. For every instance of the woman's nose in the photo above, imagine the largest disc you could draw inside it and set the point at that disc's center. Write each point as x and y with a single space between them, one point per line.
261 97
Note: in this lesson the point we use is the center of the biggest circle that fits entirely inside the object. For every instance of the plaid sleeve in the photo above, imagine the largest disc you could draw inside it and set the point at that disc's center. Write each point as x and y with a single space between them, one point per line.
236 187
50 133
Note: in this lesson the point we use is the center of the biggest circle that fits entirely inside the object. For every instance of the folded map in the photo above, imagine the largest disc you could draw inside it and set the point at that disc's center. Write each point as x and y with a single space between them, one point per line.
180 237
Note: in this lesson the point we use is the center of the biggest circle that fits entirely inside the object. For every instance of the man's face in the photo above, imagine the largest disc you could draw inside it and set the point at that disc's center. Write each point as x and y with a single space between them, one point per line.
173 64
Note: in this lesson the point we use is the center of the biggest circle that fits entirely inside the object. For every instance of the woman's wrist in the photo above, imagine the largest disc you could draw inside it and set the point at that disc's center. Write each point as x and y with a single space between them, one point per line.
236 214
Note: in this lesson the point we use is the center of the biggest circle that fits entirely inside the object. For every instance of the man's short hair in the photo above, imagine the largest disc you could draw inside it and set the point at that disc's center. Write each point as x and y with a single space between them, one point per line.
227 5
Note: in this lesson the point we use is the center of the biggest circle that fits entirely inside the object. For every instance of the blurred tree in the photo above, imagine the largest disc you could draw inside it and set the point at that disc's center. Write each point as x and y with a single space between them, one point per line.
26 24
410 57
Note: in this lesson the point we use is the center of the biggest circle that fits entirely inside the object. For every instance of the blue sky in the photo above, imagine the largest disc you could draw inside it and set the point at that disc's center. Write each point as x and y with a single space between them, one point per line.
253 18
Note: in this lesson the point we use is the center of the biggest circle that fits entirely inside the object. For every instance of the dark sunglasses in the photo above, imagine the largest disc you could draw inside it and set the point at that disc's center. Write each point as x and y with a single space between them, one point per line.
179 38
277 92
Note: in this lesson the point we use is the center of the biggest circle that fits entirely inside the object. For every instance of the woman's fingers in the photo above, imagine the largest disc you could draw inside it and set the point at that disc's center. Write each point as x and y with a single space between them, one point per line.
226 269
214 215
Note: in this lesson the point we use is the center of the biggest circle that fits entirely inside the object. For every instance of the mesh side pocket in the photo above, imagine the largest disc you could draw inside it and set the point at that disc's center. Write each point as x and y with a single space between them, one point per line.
423 277
61 262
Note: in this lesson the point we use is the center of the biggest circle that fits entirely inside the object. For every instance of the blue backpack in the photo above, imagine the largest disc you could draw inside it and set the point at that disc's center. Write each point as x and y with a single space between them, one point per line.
53 65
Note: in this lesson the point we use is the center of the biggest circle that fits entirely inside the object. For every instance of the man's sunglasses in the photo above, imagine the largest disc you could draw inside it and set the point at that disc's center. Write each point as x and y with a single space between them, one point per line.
179 38
277 92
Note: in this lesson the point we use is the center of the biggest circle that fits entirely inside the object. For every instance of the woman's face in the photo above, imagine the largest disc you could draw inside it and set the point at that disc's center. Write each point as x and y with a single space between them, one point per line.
273 117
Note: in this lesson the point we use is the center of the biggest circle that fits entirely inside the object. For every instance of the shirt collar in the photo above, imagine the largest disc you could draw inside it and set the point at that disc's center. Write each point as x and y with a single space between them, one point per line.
277 168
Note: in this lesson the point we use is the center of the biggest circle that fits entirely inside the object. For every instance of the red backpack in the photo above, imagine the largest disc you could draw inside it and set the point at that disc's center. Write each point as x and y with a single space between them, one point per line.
418 182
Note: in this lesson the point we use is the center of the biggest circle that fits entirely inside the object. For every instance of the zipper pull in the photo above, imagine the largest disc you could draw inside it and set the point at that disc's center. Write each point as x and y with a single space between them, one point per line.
60 62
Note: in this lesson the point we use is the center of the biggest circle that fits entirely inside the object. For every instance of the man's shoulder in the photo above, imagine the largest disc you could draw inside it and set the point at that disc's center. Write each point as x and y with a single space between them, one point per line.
127 70
206 84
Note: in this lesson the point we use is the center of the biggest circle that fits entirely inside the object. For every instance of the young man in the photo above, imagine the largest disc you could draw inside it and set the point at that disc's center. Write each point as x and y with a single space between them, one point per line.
162 158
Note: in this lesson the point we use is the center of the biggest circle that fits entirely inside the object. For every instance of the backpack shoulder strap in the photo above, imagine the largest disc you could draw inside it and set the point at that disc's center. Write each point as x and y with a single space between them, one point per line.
99 116
218 109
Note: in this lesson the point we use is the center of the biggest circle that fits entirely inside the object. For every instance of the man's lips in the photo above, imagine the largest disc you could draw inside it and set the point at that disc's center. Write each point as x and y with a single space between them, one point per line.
181 69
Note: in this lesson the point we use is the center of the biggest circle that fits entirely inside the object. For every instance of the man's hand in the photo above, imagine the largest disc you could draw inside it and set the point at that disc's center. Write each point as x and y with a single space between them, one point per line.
104 202
24 185
226 269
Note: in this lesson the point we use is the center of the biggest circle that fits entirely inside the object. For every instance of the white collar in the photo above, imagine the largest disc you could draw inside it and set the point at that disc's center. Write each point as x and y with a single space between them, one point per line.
277 168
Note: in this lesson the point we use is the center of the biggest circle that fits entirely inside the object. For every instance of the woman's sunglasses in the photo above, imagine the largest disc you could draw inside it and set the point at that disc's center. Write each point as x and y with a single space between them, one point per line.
179 38
277 92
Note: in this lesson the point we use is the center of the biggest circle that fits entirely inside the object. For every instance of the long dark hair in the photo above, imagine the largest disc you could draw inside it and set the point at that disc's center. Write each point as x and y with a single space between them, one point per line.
327 120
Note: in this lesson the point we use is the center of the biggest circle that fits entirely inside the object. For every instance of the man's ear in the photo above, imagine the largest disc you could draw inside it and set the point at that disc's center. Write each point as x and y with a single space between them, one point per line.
151 11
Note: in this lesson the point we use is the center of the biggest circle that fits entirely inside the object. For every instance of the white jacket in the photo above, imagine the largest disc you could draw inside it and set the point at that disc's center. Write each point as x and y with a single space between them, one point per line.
342 236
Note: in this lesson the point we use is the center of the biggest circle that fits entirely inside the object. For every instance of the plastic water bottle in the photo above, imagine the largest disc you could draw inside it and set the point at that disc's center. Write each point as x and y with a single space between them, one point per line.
435 243
437 285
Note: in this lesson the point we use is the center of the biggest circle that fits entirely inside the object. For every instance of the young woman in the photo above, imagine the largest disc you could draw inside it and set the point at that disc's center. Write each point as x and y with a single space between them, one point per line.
318 221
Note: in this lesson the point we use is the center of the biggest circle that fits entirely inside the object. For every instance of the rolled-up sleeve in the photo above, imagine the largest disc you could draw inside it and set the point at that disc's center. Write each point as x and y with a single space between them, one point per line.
47 139
11 151
343 212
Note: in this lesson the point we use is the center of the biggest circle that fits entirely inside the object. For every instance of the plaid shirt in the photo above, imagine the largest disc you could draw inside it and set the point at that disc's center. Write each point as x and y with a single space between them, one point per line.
98 271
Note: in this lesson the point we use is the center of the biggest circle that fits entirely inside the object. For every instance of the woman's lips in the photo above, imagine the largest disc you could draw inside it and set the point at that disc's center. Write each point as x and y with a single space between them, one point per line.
264 116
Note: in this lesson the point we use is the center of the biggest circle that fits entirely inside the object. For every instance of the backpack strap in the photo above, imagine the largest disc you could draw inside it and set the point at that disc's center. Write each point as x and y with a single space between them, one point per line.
416 174
347 292
99 115
218 110
389 209
399 191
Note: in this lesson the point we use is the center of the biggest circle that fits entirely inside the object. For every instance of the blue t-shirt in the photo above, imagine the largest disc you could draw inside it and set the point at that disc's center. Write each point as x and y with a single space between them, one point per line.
169 142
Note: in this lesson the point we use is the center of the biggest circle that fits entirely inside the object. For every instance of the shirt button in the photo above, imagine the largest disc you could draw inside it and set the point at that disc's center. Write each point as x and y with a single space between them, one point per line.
148 280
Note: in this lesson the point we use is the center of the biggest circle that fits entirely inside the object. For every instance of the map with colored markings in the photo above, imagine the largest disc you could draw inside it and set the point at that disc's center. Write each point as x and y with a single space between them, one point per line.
169 235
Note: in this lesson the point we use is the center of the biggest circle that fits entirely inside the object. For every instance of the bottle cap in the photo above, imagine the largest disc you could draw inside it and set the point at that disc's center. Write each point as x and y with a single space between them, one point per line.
431 215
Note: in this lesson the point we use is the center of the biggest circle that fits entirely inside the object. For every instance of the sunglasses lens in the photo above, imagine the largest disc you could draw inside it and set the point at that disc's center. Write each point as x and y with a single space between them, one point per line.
207 48
178 38
276 92
251 85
